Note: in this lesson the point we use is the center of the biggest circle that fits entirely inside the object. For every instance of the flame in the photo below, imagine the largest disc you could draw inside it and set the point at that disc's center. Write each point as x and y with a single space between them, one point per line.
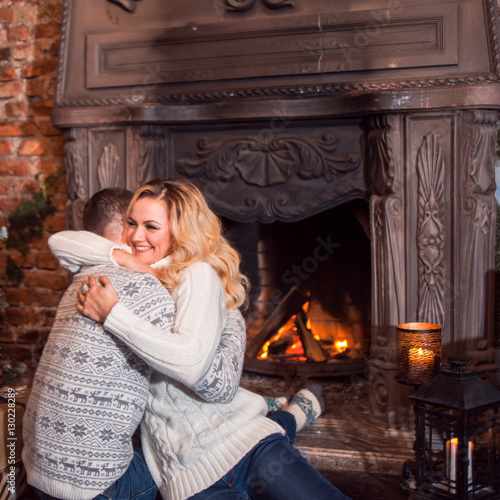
341 345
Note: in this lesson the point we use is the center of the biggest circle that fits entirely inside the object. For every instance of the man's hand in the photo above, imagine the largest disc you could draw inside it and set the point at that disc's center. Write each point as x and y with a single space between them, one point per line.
129 261
95 301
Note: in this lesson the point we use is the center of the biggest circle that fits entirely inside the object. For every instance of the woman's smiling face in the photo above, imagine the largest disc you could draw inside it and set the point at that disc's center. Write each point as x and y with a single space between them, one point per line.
148 230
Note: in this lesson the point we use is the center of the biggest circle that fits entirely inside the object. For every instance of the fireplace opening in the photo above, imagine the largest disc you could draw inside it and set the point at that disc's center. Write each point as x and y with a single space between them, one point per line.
309 303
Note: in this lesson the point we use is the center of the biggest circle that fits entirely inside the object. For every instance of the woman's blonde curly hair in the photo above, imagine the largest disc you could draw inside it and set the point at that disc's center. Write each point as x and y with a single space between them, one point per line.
195 234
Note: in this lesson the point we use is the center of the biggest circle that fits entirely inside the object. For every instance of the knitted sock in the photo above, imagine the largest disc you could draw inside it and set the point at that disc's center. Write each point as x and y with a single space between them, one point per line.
307 405
276 404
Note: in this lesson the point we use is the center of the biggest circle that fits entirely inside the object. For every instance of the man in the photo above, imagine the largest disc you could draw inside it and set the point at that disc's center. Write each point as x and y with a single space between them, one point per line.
90 389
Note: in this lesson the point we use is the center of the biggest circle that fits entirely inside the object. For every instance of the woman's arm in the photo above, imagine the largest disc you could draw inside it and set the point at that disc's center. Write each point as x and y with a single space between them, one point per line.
75 249
199 321
222 379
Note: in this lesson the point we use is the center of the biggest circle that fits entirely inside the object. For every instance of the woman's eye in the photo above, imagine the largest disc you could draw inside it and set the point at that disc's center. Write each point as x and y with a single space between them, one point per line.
149 226
131 223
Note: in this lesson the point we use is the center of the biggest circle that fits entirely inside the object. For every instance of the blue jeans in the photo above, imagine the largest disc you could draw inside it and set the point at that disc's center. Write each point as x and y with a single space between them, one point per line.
135 483
272 470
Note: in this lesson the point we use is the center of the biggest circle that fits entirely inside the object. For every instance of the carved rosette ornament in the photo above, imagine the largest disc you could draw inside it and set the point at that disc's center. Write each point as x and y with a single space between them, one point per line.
430 230
267 163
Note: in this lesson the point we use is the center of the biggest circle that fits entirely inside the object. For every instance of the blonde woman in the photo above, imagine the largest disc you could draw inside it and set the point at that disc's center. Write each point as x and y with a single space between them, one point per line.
196 449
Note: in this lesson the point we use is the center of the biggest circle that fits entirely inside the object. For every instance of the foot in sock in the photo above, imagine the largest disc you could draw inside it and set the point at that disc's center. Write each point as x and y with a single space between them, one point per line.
307 405
276 404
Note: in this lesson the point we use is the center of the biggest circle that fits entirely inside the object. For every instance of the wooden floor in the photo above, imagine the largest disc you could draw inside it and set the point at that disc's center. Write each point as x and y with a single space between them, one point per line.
363 460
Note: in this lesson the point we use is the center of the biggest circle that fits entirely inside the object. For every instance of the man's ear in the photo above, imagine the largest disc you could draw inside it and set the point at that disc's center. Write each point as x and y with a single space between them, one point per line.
114 232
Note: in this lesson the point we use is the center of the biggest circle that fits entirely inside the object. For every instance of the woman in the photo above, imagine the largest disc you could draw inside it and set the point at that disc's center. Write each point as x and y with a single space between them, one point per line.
196 449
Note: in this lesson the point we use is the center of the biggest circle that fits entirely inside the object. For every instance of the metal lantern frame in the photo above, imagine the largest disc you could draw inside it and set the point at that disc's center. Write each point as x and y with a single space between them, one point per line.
457 435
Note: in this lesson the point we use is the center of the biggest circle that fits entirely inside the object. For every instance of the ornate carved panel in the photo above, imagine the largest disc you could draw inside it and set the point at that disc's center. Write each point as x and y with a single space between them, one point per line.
266 176
430 230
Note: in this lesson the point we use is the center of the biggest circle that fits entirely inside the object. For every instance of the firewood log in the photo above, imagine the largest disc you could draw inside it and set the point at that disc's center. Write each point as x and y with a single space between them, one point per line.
290 305
312 348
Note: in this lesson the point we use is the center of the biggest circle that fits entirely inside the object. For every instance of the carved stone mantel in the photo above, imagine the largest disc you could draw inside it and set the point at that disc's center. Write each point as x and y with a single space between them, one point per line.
279 110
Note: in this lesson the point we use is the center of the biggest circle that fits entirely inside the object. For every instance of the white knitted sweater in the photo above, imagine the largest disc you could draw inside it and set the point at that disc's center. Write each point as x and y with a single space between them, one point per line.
188 443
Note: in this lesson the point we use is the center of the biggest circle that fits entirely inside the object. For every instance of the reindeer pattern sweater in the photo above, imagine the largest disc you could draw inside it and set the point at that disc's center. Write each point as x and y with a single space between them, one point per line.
188 443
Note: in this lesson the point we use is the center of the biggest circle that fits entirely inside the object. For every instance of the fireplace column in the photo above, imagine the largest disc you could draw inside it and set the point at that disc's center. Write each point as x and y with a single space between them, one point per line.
433 216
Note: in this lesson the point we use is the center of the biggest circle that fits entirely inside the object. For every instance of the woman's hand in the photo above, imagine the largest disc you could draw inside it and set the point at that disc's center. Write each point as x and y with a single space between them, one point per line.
130 261
96 301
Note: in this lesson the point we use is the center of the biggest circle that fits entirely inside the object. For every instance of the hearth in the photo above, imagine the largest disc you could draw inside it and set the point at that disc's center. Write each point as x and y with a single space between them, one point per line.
282 111
309 313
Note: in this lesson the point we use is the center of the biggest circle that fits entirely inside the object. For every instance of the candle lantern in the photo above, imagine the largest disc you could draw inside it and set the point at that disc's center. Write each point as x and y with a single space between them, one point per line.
457 435
418 352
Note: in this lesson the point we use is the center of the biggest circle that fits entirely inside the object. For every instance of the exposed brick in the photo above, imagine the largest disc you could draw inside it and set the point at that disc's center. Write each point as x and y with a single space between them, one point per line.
47 129
33 147
14 167
4 53
17 129
18 34
47 297
55 280
20 316
23 51
19 352
5 188
26 262
58 144
5 147
9 204
6 15
38 68
48 30
18 296
43 107
45 260
55 223
38 86
7 72
16 109
10 89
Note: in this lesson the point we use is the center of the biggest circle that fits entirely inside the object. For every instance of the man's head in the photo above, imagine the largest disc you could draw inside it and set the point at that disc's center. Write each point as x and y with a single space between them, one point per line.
104 213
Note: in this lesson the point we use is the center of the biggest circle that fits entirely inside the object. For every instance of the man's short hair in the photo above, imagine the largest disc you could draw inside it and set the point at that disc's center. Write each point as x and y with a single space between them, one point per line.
105 206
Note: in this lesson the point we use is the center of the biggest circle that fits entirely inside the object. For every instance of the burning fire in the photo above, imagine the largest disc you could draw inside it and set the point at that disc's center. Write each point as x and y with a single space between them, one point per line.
286 344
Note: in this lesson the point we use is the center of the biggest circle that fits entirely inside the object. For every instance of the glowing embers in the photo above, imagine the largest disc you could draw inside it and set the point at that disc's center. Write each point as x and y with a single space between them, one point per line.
303 339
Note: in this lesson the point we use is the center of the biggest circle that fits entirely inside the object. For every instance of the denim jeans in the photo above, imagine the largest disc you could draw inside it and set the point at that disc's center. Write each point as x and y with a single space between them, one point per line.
136 483
272 470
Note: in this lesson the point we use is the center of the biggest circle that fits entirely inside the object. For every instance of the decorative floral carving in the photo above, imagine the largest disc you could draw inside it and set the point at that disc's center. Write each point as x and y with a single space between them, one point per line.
430 229
267 163
246 5
107 170
128 5
152 154
75 151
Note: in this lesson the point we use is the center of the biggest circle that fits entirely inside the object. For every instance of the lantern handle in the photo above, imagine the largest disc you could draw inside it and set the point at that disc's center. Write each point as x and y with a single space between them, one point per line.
458 363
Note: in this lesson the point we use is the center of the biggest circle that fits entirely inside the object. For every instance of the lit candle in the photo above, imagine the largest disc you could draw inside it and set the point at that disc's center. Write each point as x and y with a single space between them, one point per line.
420 362
451 461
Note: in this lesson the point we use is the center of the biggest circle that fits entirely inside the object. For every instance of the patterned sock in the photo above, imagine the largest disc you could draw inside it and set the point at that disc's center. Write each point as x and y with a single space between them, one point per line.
276 404
307 405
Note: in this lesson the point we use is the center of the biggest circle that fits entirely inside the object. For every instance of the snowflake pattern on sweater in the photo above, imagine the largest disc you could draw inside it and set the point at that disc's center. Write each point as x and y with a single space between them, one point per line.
89 392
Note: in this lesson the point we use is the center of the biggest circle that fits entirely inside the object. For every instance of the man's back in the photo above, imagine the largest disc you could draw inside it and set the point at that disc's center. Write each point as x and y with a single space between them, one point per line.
89 392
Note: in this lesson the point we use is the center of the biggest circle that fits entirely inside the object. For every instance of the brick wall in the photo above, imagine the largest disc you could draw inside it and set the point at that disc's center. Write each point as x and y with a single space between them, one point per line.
29 145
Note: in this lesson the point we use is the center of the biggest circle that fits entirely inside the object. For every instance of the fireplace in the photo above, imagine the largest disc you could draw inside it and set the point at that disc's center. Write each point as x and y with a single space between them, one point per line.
285 113
309 278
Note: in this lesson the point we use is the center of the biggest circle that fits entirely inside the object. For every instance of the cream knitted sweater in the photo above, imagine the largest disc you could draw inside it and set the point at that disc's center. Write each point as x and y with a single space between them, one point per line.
188 443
